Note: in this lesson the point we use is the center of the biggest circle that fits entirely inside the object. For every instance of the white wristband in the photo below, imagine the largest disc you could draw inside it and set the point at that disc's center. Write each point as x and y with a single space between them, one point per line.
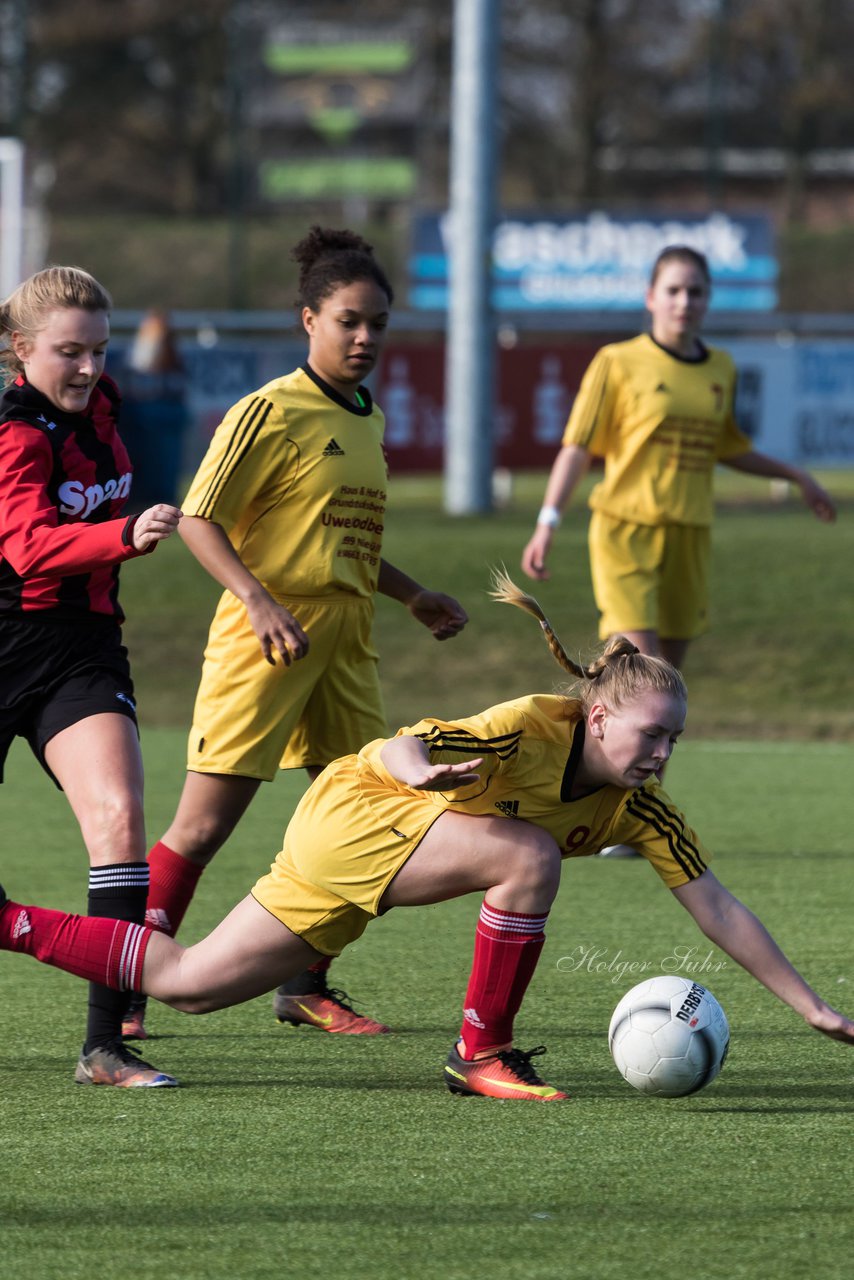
550 516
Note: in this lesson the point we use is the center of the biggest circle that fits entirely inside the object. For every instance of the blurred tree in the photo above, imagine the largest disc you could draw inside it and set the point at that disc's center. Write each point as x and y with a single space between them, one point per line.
793 61
130 101
143 107
127 102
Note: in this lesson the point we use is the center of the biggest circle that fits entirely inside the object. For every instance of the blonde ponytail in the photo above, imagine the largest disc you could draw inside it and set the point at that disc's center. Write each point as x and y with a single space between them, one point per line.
618 675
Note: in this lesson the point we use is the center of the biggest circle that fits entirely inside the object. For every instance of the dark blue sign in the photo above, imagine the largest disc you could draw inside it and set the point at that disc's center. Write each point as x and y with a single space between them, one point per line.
601 260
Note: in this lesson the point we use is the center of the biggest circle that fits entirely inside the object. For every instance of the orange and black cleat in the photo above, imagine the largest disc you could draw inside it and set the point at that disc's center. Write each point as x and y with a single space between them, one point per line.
328 1010
507 1074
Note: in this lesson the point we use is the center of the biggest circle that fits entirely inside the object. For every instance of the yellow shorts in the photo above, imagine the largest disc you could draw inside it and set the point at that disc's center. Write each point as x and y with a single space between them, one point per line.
649 577
251 718
349 836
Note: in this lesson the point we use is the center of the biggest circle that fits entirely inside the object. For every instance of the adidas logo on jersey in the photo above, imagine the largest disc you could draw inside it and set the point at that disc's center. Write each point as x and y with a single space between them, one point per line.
22 925
510 807
662 386
333 450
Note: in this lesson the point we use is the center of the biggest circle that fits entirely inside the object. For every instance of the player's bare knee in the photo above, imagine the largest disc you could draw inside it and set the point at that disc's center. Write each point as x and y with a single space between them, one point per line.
536 862
114 827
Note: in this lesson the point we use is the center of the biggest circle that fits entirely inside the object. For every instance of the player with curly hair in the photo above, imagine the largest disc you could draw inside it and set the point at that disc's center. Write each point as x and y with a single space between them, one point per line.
287 512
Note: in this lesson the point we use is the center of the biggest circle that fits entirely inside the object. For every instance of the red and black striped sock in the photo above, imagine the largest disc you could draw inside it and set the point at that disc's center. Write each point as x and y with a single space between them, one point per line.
507 946
117 891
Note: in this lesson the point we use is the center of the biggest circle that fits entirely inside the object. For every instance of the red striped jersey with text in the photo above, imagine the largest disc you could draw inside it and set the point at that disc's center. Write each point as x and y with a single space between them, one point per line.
64 481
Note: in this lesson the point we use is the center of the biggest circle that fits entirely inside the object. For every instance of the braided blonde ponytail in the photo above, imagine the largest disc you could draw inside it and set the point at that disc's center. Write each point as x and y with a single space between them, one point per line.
620 673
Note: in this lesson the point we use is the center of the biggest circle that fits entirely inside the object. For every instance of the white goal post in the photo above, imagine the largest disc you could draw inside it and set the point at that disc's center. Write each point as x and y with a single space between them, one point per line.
11 214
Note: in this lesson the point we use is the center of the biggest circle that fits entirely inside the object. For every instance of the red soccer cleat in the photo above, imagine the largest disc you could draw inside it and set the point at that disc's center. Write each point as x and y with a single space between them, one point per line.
329 1010
507 1074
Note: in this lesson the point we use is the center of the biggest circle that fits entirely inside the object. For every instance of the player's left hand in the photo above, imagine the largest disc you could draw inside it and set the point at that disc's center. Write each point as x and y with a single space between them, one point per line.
817 499
832 1024
444 616
444 777
153 525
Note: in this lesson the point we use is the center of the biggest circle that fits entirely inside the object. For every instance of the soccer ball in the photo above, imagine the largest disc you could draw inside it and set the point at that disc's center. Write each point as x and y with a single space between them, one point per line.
668 1037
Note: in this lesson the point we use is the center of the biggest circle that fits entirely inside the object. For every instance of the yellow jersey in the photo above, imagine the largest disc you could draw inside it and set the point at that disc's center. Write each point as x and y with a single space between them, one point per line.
296 476
531 748
661 423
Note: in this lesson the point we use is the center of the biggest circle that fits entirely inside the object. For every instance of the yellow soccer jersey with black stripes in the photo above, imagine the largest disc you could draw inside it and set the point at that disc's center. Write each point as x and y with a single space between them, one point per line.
661 423
530 748
296 476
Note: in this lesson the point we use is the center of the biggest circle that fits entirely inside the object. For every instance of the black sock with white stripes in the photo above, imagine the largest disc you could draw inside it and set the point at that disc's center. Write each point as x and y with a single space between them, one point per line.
118 891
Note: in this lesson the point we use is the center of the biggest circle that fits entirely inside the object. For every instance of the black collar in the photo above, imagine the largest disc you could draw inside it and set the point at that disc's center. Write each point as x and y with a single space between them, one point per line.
572 763
360 410
668 351
21 402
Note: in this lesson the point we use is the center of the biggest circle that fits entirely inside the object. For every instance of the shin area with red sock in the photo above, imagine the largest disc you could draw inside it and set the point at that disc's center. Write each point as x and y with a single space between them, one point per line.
507 947
173 883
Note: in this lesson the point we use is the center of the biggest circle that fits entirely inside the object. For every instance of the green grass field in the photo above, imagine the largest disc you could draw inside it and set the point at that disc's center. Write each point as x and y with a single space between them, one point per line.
288 1152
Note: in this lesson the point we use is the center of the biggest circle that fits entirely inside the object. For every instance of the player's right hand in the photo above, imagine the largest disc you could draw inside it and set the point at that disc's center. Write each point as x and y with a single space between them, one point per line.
278 631
535 553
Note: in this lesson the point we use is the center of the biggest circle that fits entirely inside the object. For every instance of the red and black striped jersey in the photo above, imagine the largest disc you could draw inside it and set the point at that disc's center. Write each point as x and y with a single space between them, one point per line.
64 480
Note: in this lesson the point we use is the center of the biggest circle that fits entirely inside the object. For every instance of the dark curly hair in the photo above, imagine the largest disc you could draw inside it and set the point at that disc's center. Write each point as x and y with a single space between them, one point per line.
329 259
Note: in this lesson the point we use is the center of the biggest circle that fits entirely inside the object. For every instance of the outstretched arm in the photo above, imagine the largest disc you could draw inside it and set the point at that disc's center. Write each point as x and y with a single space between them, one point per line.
276 628
753 463
442 615
408 760
738 932
568 468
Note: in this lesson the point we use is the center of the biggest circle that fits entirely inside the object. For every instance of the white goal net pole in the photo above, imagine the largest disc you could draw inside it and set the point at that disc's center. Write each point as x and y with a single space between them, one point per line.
11 214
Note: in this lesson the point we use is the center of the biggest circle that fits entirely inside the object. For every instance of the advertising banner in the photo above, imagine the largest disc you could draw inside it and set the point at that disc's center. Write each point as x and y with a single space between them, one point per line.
796 398
600 260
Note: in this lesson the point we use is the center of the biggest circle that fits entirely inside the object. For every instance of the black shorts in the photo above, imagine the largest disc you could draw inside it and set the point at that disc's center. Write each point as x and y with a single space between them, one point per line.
55 672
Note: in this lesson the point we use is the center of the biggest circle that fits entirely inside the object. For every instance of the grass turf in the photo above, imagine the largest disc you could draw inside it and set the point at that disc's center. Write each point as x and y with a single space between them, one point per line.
287 1152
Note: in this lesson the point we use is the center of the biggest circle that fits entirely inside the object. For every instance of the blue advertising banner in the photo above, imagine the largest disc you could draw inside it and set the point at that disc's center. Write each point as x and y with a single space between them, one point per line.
600 260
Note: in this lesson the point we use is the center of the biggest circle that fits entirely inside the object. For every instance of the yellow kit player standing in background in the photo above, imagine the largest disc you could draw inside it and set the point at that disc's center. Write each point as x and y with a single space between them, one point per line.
287 513
659 410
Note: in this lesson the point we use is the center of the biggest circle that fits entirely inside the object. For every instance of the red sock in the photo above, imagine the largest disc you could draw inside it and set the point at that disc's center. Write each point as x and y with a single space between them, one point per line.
170 892
507 946
322 966
107 951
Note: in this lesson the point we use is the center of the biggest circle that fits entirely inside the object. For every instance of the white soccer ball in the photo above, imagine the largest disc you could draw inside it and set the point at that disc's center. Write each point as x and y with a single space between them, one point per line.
669 1037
